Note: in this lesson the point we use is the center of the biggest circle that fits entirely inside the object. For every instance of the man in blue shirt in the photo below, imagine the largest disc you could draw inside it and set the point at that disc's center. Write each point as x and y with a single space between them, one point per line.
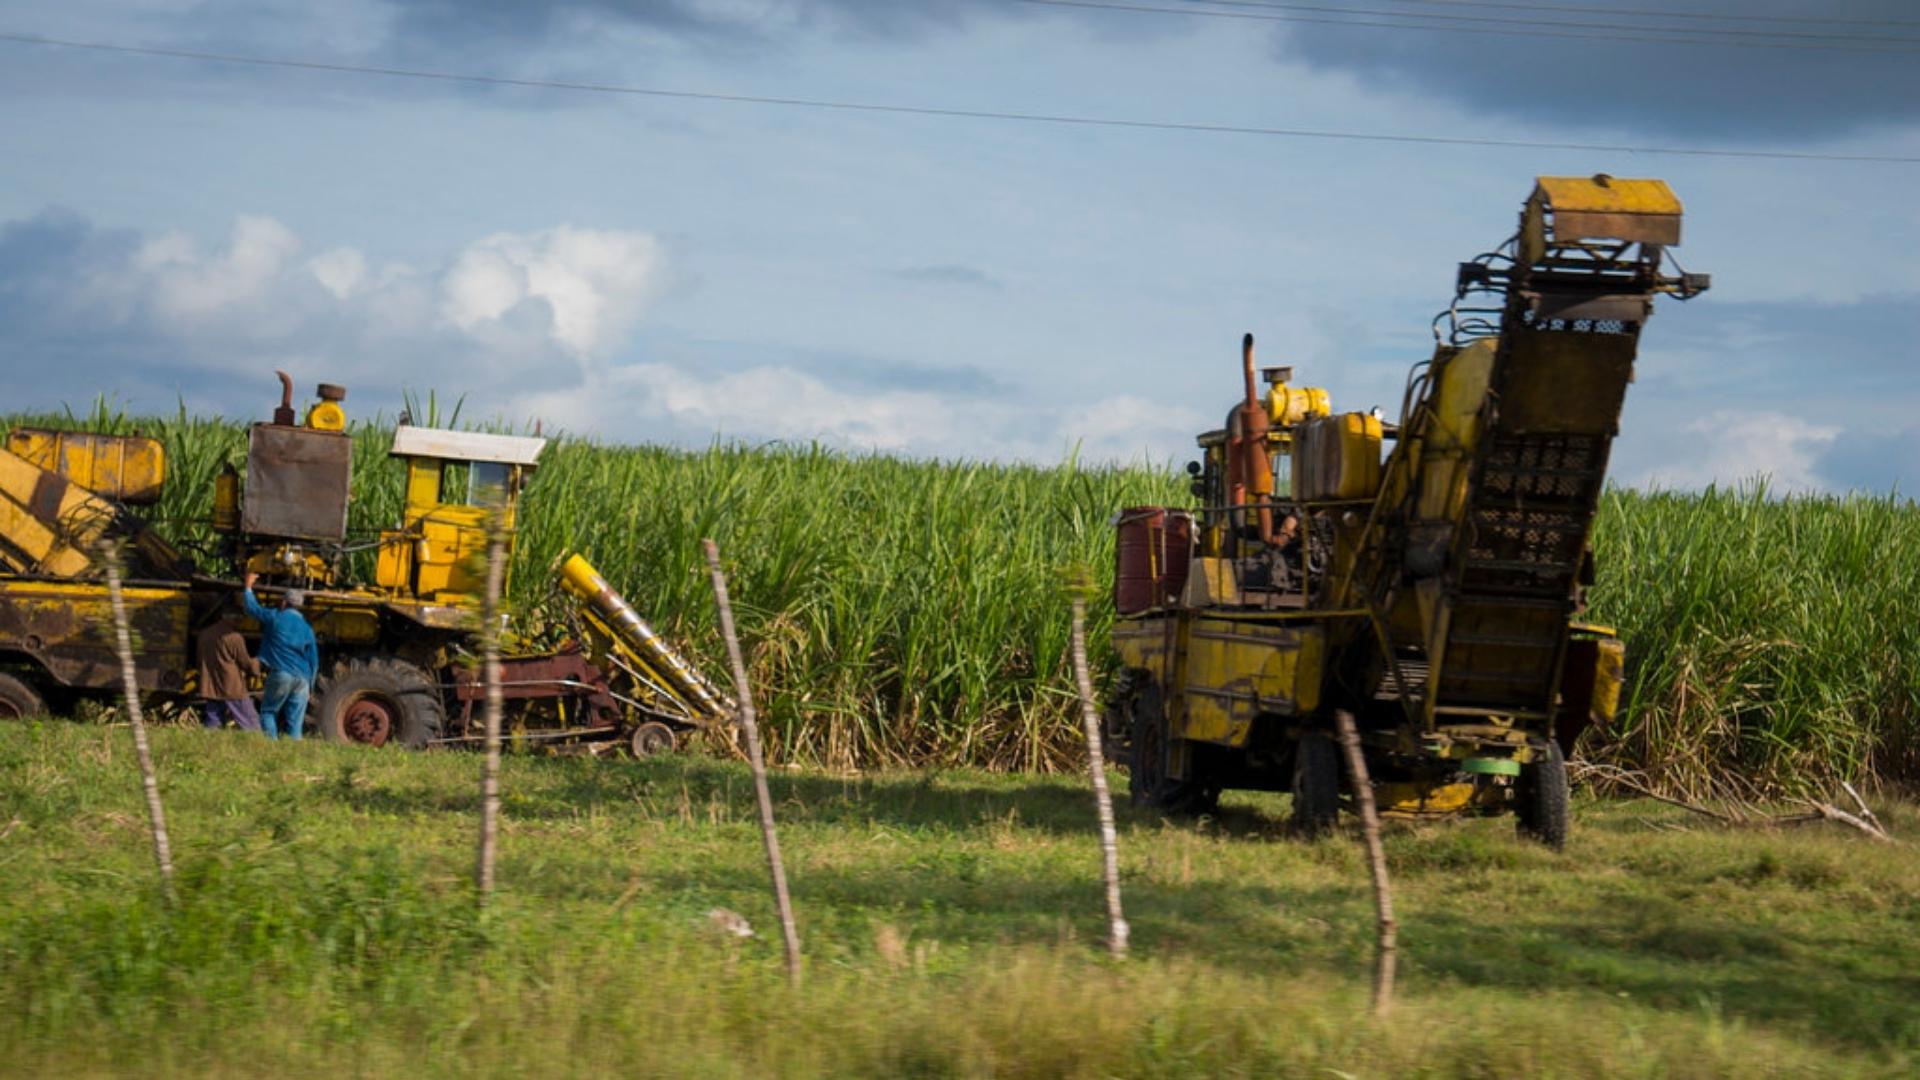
292 659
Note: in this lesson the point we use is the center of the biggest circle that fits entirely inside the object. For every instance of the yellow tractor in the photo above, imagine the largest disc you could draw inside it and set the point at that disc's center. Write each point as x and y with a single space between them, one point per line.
398 656
1434 593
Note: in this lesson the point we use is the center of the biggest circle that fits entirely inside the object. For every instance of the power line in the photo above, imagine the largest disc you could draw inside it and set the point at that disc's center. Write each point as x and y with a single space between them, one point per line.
922 110
1502 20
1328 20
1714 16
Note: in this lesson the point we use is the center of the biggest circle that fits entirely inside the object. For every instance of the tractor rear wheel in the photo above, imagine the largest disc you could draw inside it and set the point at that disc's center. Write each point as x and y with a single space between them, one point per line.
1316 785
1148 781
378 701
1541 798
18 699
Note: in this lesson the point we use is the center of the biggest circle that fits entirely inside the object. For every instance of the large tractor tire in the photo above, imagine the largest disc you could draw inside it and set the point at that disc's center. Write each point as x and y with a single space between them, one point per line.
1147 779
1541 798
1316 785
18 699
378 701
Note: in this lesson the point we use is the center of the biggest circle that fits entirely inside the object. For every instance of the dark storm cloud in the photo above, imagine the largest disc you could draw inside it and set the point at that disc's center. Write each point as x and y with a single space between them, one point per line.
452 25
1764 95
68 342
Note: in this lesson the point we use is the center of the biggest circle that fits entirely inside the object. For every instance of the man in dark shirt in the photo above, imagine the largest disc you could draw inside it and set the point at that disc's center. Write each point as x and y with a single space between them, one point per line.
291 657
224 667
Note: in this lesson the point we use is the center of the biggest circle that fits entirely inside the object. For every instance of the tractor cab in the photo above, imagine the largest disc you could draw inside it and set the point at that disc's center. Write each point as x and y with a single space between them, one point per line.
456 481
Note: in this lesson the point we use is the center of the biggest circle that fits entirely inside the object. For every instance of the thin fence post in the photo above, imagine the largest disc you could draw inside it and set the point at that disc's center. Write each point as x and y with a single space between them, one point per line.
750 726
490 675
1377 859
1117 931
123 639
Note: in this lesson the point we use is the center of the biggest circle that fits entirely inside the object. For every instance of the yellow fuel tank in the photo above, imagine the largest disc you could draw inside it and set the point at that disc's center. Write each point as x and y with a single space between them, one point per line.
1337 457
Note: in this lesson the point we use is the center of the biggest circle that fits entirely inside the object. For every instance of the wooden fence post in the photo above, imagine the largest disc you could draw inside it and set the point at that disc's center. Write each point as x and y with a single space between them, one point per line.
1117 931
123 639
490 674
750 727
1377 858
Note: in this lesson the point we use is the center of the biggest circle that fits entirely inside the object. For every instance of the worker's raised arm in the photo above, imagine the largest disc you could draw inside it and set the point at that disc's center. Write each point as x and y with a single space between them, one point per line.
260 614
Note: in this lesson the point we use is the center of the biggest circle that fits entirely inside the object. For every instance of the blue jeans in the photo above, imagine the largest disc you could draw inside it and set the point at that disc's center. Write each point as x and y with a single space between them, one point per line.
285 705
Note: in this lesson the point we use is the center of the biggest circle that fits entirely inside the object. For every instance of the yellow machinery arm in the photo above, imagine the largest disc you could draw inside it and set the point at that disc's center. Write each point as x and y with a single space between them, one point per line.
1488 500
665 680
52 516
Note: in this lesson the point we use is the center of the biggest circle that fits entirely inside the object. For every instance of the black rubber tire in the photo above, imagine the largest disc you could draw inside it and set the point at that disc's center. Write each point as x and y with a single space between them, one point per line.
1316 785
415 714
1541 798
1147 781
18 699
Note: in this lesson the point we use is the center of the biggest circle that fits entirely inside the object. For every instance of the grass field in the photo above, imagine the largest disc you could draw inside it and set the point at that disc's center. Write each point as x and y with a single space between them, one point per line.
907 613
951 921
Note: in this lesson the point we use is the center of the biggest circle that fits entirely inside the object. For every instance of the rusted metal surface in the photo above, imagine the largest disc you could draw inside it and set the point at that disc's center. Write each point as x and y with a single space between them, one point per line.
1151 555
369 721
68 629
564 674
297 481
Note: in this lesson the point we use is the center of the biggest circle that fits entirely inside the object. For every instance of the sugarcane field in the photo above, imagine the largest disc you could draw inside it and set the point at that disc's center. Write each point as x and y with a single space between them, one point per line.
1012 538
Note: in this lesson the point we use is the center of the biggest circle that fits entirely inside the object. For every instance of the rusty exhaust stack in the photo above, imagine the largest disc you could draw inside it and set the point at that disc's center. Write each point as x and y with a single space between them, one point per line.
1249 468
284 414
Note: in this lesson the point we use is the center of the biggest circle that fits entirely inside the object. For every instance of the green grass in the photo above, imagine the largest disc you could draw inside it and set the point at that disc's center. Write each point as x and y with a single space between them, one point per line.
906 613
951 923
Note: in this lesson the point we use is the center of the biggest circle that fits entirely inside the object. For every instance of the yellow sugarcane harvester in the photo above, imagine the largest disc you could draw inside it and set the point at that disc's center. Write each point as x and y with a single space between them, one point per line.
1436 595
398 655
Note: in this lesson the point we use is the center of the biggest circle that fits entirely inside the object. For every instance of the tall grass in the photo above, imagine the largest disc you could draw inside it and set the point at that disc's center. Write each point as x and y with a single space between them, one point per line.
906 612
1773 642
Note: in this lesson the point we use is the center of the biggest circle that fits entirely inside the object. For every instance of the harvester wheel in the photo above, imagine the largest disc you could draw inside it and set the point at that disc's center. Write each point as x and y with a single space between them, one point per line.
1316 785
1147 779
1541 798
18 699
650 738
378 701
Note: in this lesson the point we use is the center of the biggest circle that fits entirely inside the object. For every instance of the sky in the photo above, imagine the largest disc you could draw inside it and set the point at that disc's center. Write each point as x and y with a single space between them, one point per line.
653 268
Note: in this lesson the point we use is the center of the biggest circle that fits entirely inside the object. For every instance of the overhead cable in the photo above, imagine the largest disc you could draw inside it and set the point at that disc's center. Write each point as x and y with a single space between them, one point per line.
1639 35
964 114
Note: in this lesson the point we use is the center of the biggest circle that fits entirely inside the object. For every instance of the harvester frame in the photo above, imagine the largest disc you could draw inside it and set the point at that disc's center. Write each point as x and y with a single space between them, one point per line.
399 654
1436 595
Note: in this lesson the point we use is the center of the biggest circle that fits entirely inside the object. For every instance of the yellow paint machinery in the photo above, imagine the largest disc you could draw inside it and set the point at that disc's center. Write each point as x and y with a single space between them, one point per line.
398 653
1435 592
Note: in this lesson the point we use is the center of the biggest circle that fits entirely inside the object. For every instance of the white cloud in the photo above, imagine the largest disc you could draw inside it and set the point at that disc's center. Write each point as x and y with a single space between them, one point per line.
593 283
185 285
511 309
339 271
1733 445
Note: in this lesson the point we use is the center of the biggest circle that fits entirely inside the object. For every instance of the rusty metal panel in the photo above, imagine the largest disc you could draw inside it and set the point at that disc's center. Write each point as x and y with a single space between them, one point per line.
297 482
68 628
1565 382
1639 228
